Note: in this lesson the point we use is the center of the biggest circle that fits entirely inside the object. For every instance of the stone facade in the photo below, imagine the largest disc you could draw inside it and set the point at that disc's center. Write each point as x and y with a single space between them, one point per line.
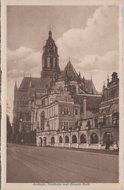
65 109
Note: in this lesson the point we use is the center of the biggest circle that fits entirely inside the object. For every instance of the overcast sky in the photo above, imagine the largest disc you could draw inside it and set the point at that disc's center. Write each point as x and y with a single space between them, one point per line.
87 34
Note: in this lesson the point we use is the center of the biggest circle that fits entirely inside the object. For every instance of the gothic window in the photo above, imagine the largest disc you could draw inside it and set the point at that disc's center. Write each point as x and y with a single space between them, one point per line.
83 138
48 62
94 138
66 139
74 139
60 139
54 62
115 118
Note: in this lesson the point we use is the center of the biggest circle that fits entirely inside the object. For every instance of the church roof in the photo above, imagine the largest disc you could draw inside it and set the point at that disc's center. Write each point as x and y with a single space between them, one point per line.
89 86
27 81
69 73
32 82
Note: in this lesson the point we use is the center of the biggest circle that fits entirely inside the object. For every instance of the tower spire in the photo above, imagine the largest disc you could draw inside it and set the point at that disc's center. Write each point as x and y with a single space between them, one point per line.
50 32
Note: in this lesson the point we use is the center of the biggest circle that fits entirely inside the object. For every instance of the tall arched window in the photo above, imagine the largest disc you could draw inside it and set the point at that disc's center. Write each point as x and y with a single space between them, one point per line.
94 138
66 139
83 138
74 139
60 139
54 62
48 62
42 119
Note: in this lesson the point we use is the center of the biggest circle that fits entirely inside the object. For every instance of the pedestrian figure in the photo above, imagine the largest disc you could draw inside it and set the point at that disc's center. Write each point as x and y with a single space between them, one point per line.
107 144
40 141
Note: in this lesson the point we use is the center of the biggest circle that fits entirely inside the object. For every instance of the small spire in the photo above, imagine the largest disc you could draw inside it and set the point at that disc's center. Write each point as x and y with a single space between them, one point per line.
15 87
107 78
50 32
79 75
104 85
107 75
69 60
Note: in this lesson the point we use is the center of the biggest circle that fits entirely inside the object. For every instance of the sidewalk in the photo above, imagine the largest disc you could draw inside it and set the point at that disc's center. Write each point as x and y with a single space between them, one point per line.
113 152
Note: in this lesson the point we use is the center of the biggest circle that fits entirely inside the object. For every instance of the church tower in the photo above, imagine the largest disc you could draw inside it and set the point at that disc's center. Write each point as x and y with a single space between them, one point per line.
50 59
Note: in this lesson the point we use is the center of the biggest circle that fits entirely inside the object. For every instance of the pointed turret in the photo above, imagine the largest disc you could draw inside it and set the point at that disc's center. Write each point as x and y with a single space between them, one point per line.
50 58
103 85
107 80
15 87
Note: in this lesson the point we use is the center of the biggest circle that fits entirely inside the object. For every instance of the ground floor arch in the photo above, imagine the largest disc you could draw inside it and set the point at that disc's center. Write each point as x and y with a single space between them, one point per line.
66 139
74 139
83 138
60 139
52 140
94 138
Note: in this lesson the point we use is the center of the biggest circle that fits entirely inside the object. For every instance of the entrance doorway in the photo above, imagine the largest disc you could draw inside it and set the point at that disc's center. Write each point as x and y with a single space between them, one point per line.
52 140
107 140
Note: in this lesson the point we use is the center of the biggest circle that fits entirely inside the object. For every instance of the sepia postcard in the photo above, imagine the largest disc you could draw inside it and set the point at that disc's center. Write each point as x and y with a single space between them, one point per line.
62 105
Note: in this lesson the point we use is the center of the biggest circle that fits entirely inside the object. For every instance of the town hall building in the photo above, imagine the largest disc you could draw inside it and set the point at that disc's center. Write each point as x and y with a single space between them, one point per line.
64 109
